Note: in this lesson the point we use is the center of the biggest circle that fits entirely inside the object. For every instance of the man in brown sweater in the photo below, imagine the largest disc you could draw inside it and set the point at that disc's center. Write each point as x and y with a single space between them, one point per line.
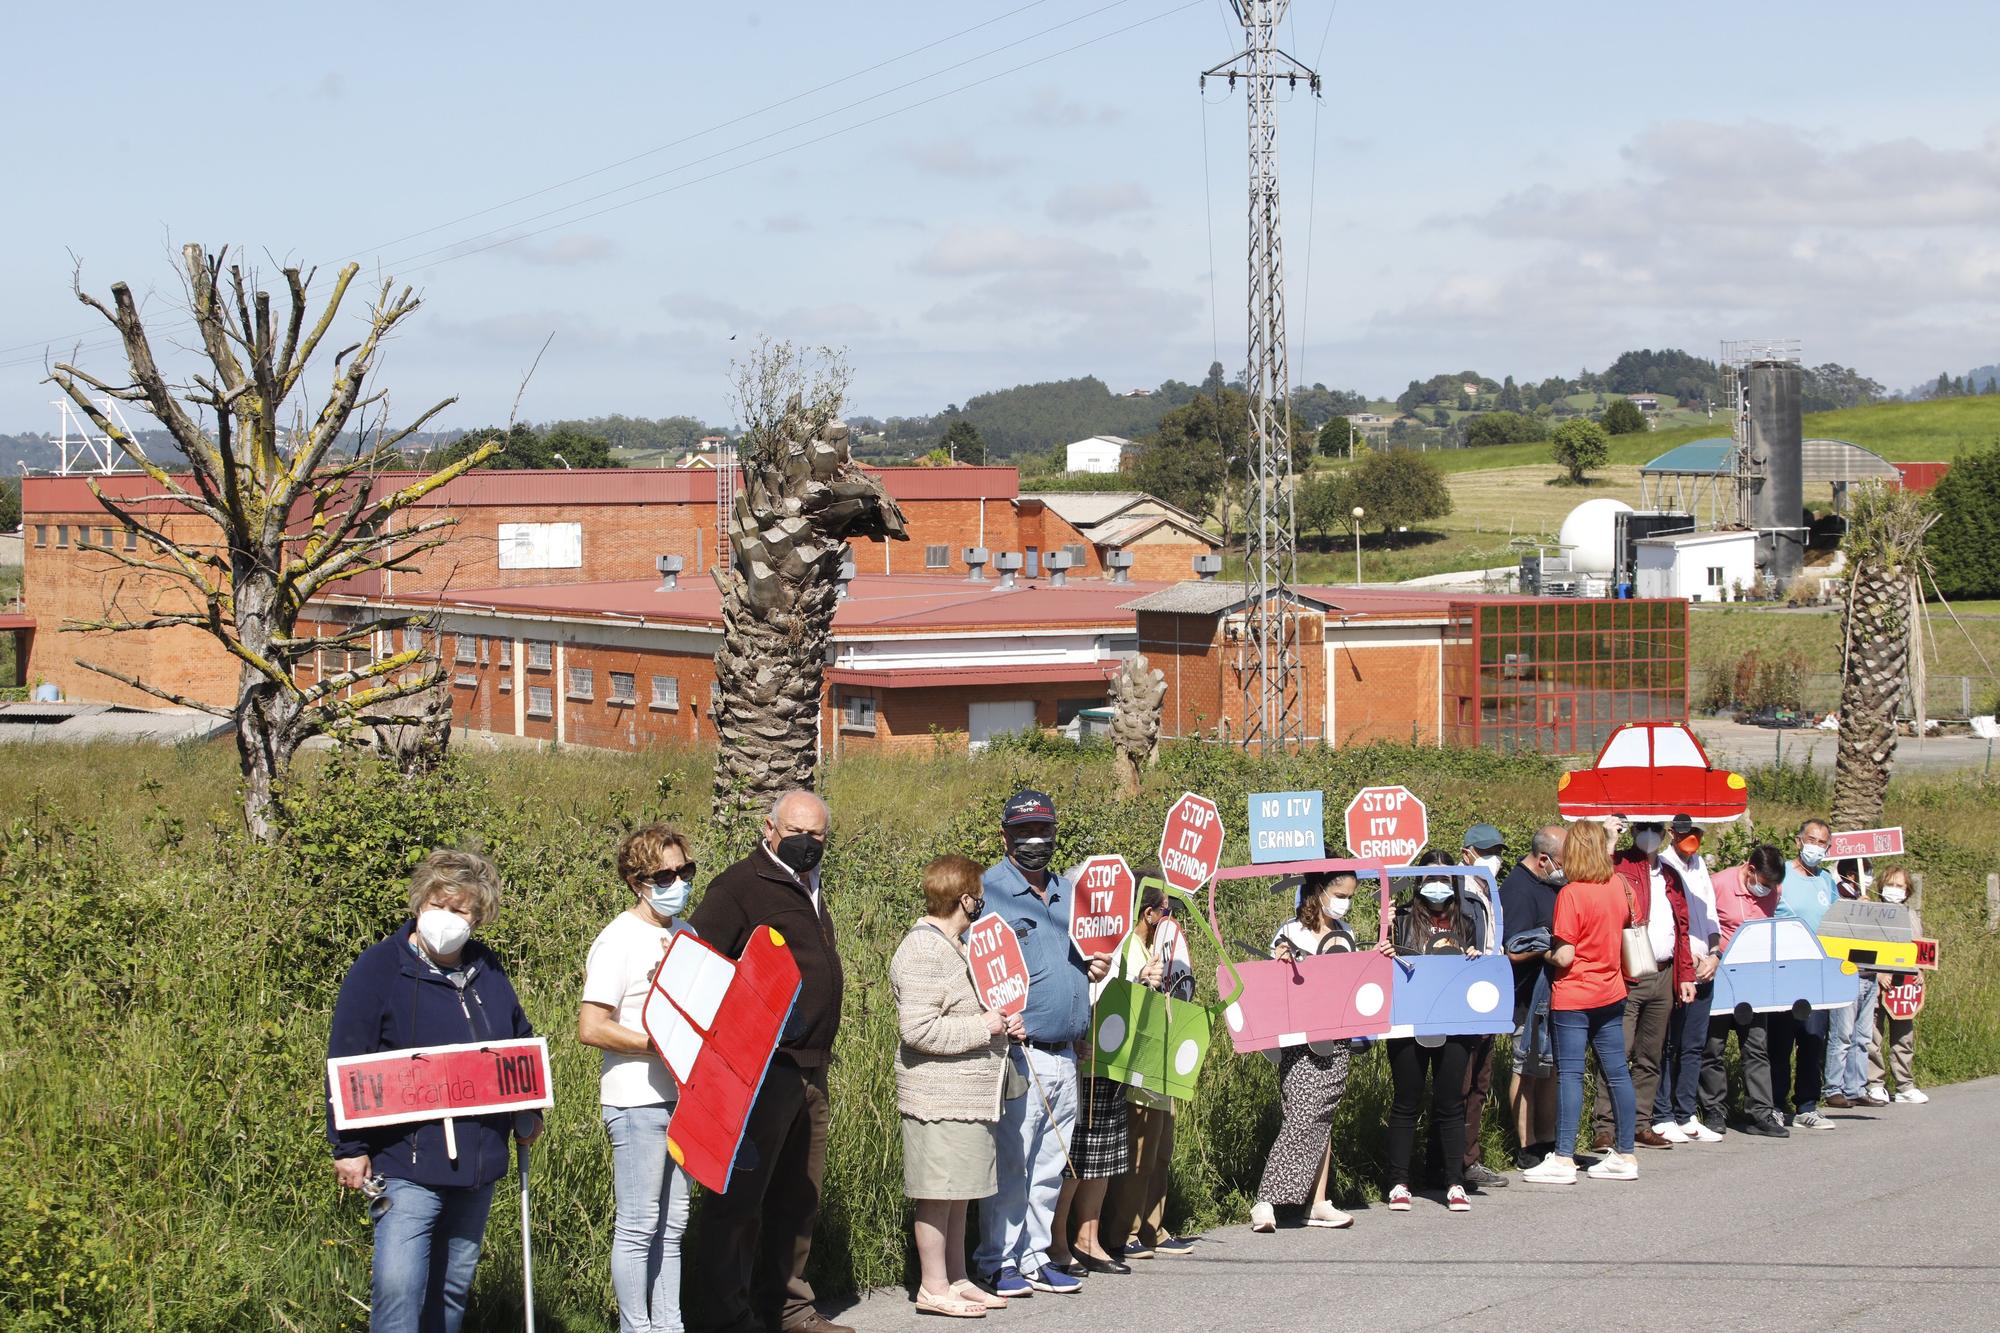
756 1237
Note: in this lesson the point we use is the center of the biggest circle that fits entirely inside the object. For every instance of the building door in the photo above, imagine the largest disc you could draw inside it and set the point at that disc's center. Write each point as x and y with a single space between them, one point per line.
1031 562
984 721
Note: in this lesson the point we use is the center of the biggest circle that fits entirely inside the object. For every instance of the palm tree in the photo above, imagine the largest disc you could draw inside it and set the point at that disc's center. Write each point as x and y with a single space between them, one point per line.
1884 546
802 497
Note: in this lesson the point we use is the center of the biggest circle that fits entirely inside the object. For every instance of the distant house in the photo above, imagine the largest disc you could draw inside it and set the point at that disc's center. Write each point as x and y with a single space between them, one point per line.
1099 453
1139 393
1470 389
1366 418
1645 402
1161 539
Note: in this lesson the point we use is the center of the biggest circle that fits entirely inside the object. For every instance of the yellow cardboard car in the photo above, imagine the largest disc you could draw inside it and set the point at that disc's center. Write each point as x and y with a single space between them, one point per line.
1879 937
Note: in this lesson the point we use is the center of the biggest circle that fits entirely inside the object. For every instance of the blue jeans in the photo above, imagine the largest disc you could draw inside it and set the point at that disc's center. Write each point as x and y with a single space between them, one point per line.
1849 1033
426 1247
1015 1224
1680 1069
652 1212
1577 1031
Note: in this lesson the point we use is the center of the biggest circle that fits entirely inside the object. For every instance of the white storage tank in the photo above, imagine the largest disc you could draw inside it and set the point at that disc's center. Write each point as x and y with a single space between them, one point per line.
1590 535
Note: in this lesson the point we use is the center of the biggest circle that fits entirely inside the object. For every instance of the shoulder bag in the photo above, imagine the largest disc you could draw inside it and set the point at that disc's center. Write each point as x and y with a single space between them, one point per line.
1634 943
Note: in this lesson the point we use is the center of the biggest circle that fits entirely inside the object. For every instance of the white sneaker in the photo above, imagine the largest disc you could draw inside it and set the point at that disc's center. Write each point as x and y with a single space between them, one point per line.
1615 1166
1263 1217
1671 1132
1399 1199
1324 1214
1552 1170
1912 1096
1877 1095
1697 1132
1812 1120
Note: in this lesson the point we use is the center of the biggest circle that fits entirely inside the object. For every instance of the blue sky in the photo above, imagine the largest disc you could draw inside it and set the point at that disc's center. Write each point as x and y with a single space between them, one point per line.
1518 189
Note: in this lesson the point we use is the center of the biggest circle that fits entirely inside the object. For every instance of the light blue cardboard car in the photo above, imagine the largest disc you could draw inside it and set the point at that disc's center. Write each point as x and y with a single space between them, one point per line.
1776 966
1445 996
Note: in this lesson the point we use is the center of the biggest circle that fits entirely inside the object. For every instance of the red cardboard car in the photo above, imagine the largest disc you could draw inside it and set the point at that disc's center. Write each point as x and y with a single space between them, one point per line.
1652 771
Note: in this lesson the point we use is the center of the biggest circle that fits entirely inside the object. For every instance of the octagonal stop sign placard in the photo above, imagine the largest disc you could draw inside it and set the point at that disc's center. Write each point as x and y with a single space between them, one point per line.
999 969
1191 843
1100 906
1387 823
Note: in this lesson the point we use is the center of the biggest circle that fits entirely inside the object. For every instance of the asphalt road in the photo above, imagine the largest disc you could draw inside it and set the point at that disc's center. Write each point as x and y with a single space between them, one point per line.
1886 1223
1737 746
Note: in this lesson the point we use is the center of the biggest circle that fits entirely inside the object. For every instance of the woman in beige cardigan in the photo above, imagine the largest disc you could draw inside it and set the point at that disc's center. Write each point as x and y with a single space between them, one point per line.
949 1068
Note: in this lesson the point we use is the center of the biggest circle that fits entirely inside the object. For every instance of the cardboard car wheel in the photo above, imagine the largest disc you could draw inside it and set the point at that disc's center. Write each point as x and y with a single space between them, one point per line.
1801 1011
1744 1014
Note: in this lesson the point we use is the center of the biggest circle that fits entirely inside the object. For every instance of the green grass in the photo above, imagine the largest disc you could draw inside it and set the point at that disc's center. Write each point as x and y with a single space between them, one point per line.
10 588
164 995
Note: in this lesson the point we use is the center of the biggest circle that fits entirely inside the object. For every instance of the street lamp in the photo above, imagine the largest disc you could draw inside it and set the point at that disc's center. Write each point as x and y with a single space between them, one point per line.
1358 513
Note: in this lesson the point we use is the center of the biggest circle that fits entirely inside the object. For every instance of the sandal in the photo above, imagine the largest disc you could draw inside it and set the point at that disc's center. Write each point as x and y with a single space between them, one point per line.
950 1305
967 1289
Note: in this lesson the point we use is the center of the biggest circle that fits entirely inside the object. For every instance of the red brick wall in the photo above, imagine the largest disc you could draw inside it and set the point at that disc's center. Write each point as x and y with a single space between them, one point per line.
1205 675
1385 694
909 721
68 582
1166 561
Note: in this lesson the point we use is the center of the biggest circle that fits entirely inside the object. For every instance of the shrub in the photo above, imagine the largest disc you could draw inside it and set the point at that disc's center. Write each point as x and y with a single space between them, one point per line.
1623 417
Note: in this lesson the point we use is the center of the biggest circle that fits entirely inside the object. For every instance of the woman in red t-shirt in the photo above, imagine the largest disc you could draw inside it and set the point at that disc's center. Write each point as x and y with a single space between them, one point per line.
1587 1003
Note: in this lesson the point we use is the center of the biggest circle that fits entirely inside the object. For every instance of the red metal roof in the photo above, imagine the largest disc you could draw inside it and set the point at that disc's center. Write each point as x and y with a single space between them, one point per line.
500 487
1921 477
920 678
14 620
875 603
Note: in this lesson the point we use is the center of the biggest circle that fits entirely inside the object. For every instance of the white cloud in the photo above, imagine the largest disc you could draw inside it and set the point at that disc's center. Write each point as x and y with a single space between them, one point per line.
1094 202
959 158
1051 108
1002 249
564 251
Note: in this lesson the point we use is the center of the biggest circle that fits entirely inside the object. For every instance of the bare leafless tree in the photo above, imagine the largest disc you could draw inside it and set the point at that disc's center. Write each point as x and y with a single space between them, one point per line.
802 497
273 510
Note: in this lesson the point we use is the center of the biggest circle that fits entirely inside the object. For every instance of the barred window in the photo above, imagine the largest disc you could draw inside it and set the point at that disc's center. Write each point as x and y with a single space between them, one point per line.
131 539
541 654
506 652
104 538
582 682
62 536
624 687
82 537
413 639
541 701
858 711
467 649
41 534
666 691
1075 553
937 556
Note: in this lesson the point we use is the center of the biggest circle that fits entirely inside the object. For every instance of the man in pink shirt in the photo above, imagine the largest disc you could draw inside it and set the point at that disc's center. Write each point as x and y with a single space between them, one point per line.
1748 892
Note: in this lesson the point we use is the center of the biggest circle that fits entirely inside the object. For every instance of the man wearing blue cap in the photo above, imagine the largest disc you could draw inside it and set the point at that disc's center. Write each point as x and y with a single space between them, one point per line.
1037 1121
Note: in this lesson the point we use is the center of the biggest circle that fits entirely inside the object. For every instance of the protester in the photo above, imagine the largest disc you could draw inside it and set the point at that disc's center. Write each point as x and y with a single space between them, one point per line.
1135 1211
757 1235
1901 1032
1528 907
1312 1077
949 1067
635 1091
1432 920
1587 1005
428 984
1748 892
1100 1150
1017 1239
1482 846
1675 1104
1851 1028
1809 889
1657 900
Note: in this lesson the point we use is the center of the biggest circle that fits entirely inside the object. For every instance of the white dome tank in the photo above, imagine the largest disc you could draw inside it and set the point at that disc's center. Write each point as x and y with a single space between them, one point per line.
1590 534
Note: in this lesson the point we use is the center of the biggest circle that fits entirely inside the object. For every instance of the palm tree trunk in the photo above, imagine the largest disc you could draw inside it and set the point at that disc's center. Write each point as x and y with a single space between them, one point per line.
1877 633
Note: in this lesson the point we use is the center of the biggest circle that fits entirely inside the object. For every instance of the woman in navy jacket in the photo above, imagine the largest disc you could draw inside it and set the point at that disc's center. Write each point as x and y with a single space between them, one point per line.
428 984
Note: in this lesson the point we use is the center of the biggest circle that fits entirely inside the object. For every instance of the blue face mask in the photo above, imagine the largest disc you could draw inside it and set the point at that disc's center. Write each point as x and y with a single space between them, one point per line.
669 897
1437 894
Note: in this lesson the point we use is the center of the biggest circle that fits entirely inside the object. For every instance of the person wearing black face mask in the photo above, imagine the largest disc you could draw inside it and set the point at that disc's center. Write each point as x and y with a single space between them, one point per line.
1020 1249
764 1222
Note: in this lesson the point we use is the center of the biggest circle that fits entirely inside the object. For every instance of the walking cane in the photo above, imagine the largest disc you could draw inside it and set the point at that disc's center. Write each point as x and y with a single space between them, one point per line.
527 1249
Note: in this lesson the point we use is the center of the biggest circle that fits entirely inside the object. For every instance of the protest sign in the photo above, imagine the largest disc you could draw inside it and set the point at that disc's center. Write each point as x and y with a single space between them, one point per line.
1388 824
1287 826
999 969
439 1082
1191 843
1100 906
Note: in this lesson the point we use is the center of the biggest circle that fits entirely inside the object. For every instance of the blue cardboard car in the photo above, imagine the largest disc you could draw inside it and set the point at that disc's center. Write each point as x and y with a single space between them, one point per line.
1777 965
1445 996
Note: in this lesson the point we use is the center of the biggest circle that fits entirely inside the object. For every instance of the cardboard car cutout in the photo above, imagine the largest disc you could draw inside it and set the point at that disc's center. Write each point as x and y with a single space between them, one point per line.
1327 997
1653 771
1450 995
1146 1038
716 1024
1776 965
1875 937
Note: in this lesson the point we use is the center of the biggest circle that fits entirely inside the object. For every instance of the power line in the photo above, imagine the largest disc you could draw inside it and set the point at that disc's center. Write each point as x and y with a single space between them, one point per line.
862 124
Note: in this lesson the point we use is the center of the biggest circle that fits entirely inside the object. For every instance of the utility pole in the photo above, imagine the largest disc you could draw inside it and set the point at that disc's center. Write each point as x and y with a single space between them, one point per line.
1273 675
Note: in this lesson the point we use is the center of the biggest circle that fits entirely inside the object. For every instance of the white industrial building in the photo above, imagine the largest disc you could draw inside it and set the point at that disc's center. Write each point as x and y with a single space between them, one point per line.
1099 453
1713 566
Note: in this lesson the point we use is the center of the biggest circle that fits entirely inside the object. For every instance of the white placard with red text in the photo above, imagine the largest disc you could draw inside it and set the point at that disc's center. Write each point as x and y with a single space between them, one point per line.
439 1082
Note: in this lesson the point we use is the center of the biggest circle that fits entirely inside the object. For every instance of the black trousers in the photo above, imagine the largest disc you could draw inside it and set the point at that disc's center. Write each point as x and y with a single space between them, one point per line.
1410 1063
757 1236
1798 1089
1753 1046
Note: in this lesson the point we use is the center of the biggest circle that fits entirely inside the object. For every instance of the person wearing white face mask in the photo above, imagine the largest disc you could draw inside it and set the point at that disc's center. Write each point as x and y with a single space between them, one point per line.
1851 1028
1748 892
429 984
1901 1033
1312 1078
1482 846
635 1090
1808 891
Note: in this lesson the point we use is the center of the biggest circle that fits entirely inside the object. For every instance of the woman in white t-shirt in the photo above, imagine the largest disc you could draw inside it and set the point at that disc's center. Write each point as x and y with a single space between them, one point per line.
635 1088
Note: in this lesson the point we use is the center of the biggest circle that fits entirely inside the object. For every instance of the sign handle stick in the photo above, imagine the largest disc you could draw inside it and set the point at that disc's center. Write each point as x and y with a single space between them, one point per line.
527 1249
1050 1108
450 1140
